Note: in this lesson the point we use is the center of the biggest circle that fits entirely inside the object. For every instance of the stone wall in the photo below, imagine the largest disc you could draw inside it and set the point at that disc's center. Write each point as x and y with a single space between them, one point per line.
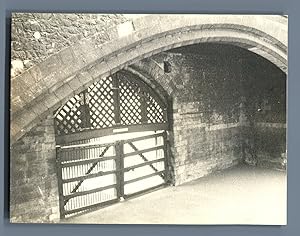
206 109
265 93
33 177
34 37
229 107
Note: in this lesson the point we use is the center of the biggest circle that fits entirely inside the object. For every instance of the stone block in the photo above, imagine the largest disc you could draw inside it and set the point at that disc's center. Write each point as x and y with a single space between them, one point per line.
54 218
75 83
63 91
99 69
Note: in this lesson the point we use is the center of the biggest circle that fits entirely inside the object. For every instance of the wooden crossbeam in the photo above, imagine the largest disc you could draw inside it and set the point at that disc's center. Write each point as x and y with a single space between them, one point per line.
143 164
90 191
143 177
145 159
138 152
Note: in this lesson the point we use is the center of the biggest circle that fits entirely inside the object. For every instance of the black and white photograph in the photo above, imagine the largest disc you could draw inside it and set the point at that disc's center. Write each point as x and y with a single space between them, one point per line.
168 119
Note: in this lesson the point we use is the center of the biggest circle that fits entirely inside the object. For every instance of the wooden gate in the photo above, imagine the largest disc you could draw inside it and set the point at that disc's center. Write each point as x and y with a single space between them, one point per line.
95 175
95 172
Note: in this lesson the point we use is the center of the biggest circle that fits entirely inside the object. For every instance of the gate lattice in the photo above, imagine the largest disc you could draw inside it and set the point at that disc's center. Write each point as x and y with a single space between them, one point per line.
118 101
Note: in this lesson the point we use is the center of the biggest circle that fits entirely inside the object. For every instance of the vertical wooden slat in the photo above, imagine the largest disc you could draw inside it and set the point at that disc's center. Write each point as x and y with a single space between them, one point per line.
165 140
98 197
71 204
93 200
116 98
118 166
119 147
86 199
122 167
155 144
60 184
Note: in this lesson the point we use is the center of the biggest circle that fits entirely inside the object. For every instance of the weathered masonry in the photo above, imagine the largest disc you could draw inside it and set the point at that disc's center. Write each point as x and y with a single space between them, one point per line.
114 106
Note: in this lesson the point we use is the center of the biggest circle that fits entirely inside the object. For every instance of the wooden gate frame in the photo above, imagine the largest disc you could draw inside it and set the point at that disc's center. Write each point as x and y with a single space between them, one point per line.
119 171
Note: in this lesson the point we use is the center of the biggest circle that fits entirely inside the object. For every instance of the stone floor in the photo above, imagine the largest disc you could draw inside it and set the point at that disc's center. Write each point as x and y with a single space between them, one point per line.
240 195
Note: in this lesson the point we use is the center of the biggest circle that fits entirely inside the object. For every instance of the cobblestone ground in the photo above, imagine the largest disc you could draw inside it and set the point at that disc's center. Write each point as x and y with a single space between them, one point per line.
240 195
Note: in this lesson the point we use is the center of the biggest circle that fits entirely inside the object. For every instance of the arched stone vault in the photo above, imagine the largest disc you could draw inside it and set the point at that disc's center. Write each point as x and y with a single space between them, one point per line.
43 88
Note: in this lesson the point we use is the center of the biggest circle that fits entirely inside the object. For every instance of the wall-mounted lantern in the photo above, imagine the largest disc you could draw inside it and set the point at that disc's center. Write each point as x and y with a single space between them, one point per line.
167 67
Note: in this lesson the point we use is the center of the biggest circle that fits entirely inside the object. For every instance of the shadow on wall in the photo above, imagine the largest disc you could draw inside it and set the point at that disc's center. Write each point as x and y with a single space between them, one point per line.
224 84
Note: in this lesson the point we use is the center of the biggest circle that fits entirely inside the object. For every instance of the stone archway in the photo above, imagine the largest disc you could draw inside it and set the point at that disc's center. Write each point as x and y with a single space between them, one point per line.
43 88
